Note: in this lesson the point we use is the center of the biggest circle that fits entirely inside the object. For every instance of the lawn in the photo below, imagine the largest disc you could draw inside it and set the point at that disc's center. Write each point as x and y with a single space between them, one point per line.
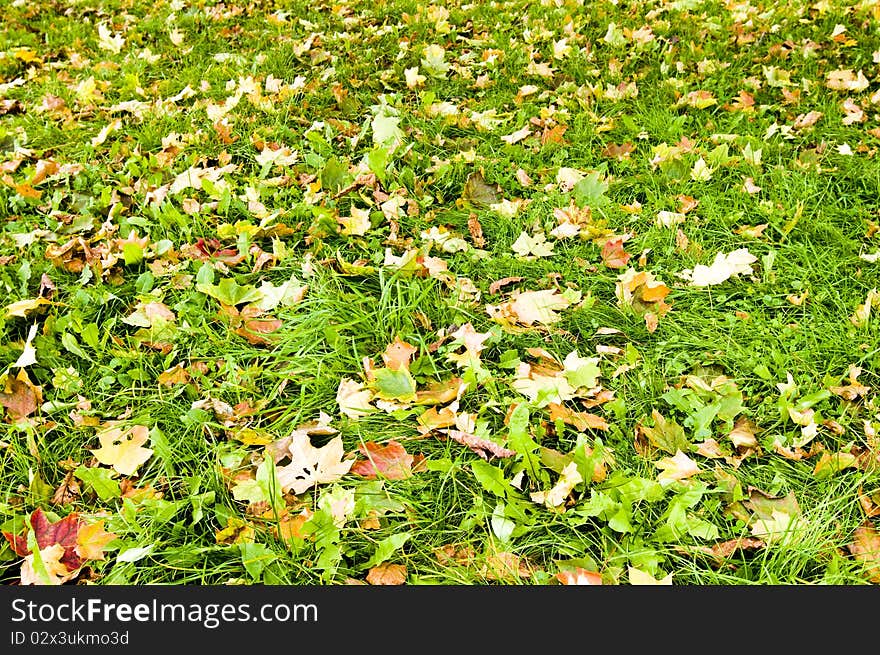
521 292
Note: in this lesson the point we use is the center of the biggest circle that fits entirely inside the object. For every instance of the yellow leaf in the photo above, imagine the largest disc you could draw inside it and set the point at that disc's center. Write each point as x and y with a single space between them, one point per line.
91 539
122 448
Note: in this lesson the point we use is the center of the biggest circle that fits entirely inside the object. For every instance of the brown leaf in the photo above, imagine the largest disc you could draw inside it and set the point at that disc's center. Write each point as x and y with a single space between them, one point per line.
20 397
387 574
177 374
495 287
743 433
390 461
482 447
580 420
476 231
505 566
866 549
618 152
67 492
454 554
255 331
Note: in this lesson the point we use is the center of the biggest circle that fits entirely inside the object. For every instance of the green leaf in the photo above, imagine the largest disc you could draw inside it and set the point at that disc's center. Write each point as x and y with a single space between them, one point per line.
132 253
591 190
267 478
72 345
386 548
230 293
100 480
502 527
335 175
254 558
491 478
394 384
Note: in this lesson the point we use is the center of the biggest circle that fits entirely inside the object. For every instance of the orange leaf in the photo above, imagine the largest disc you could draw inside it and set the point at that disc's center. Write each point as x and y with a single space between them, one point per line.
579 577
398 354
390 461
91 539
387 574
613 254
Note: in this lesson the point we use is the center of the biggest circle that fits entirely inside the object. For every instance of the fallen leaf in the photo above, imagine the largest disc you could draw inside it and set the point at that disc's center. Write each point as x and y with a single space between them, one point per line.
354 399
480 193
482 447
390 461
722 268
866 549
639 577
310 466
613 254
677 467
57 572
556 497
743 433
122 448
532 246
387 574
579 576
91 540
62 533
398 354
579 420
20 397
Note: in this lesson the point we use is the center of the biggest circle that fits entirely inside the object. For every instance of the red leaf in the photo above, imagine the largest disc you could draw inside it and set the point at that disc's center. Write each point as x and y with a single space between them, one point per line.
391 461
613 254
63 533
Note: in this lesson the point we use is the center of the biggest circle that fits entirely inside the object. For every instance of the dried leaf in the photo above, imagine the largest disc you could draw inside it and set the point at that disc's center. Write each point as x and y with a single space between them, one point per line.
387 574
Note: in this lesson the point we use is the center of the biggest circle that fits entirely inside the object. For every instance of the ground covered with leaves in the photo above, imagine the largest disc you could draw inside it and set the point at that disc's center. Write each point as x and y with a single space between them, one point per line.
383 292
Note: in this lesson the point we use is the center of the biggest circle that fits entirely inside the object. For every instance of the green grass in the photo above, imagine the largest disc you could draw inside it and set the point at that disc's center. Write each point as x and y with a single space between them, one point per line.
338 64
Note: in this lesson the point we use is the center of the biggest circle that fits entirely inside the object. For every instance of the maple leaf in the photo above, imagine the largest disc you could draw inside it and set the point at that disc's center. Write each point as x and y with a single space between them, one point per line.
569 478
91 539
644 294
19 396
56 572
723 267
866 549
667 435
398 354
677 467
613 254
310 466
846 80
387 574
530 307
123 448
390 461
639 577
473 342
354 399
62 533
580 420
532 246
579 576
